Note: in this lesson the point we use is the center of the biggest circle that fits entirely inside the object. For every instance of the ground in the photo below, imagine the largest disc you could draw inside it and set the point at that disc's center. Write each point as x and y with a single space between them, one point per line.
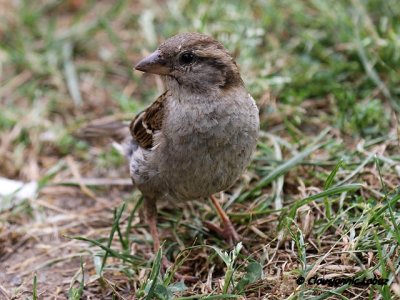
320 198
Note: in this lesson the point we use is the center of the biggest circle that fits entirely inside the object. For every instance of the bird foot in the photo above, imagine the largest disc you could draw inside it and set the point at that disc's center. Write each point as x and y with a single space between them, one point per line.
228 232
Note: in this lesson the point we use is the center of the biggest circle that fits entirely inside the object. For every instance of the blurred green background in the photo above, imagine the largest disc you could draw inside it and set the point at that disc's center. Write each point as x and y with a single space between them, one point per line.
64 62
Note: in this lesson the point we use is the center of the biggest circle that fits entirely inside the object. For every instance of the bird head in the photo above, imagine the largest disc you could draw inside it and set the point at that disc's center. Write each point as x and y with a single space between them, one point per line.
196 61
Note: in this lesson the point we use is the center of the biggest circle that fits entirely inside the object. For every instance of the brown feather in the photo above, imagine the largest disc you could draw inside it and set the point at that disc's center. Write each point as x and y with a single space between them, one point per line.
146 123
104 127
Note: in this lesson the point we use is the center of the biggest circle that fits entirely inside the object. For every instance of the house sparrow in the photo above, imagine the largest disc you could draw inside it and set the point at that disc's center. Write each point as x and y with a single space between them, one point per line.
198 137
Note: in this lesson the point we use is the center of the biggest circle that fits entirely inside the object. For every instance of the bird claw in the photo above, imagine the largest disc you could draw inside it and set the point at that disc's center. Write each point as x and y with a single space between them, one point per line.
228 232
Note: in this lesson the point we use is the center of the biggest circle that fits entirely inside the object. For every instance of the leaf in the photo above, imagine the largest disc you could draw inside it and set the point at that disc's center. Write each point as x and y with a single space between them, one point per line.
253 273
74 294
162 292
177 287
222 254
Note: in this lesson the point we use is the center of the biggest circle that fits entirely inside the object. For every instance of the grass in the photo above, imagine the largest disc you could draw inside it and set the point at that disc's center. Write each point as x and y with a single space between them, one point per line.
321 197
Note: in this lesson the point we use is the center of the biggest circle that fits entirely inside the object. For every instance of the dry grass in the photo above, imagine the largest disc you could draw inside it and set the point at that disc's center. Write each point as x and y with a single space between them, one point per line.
321 197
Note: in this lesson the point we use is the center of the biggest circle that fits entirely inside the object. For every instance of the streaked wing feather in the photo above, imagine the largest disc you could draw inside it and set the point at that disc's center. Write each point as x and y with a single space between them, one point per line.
146 123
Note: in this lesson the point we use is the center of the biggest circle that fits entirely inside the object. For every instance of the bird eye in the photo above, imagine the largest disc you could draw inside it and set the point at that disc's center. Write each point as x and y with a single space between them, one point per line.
186 58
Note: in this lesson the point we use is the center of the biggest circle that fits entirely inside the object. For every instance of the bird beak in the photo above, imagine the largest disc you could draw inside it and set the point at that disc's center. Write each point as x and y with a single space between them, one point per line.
154 63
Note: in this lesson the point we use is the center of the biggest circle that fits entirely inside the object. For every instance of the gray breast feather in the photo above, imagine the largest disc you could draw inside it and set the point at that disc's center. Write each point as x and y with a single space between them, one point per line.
197 154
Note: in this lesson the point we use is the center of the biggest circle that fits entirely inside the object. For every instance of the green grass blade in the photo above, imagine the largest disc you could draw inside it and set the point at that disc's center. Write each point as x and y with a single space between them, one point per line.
76 293
130 219
34 288
357 170
332 175
327 185
389 204
327 193
280 170
134 260
155 270
118 214
380 176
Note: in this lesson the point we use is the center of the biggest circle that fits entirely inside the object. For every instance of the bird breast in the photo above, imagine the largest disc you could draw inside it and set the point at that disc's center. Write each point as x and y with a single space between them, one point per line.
205 145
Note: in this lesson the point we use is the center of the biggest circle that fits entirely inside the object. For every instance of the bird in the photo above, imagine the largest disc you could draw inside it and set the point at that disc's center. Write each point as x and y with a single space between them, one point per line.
199 136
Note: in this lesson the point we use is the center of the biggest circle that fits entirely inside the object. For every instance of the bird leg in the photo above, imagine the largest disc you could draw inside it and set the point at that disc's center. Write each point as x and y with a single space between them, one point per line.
150 211
151 218
228 232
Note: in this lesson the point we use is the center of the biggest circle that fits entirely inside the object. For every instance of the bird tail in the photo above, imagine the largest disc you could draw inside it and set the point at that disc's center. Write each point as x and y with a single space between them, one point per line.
103 128
117 130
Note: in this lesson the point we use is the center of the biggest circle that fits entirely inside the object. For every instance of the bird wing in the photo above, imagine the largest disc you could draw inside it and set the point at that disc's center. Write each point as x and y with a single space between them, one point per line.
146 123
